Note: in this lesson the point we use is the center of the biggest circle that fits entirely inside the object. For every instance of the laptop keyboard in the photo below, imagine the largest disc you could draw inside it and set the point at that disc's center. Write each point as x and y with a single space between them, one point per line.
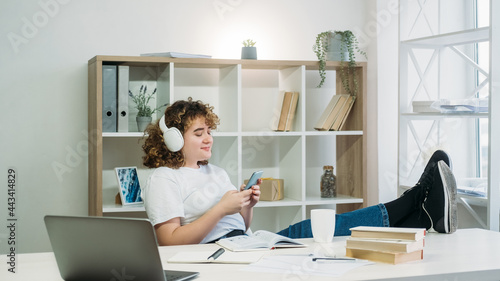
172 275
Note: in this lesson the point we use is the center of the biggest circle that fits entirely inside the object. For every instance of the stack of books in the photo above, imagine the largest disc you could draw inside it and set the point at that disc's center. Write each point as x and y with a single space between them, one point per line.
392 245
287 112
335 114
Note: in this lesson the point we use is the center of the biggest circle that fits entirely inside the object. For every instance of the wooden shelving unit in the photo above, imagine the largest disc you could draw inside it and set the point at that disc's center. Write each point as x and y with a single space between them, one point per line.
245 94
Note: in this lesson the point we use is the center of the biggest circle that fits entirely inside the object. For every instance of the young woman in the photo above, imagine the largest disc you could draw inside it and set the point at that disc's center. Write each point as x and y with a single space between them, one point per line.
190 201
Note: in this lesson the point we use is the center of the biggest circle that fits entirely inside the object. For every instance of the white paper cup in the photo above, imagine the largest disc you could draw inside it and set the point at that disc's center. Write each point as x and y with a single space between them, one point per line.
323 225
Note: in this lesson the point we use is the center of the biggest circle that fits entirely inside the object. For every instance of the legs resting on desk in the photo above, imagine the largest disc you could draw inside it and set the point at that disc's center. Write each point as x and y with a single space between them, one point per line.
433 199
431 203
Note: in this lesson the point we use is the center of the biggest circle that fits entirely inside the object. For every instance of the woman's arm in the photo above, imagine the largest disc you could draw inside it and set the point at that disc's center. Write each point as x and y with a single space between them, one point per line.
247 211
172 233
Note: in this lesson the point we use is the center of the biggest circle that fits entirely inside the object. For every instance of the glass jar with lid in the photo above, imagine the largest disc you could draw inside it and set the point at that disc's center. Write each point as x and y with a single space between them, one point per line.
328 183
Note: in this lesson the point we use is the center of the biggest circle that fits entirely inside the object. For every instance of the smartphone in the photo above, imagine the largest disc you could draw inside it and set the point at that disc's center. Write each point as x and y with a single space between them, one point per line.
253 179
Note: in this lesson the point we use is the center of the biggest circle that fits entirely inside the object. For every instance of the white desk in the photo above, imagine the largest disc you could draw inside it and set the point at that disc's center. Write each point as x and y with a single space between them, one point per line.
468 254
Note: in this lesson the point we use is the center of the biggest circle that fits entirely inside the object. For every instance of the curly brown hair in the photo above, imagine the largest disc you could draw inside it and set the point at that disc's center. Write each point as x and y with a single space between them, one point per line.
180 115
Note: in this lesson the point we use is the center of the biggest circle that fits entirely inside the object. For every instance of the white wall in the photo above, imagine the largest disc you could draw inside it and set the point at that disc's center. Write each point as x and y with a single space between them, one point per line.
44 49
387 95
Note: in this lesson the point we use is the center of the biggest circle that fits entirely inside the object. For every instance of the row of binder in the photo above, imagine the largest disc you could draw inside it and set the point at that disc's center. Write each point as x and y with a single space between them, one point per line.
115 98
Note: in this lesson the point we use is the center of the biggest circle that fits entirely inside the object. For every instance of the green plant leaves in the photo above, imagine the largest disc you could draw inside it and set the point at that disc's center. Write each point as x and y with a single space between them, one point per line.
248 43
141 101
349 44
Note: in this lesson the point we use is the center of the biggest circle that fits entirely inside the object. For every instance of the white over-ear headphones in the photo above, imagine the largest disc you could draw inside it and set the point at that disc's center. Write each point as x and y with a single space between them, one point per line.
171 136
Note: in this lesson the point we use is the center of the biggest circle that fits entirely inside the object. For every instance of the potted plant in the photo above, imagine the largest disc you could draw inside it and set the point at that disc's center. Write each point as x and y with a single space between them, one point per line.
338 46
248 51
141 100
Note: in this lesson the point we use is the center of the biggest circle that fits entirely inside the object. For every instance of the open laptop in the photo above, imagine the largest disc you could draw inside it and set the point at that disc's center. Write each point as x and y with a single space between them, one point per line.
98 248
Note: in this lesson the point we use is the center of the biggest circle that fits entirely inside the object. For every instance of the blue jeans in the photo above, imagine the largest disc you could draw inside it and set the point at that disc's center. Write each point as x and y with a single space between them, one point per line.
371 216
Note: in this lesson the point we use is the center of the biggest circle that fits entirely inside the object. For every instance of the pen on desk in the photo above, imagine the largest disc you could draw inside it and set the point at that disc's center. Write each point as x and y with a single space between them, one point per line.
216 254
333 259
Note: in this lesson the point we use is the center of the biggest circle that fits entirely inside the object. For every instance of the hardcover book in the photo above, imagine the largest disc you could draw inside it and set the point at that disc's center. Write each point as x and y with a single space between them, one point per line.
291 111
401 233
332 112
344 112
403 246
284 114
285 109
386 257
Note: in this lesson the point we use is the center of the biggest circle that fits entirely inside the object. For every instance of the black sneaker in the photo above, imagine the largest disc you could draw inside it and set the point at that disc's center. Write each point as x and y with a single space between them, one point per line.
440 204
438 155
417 219
419 193
420 190
422 187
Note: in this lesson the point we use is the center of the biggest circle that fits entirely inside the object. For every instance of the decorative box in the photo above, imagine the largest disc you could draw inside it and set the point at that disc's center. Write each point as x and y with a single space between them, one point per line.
271 189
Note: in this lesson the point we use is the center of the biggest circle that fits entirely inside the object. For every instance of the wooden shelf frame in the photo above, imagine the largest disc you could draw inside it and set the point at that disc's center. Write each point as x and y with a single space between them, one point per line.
350 143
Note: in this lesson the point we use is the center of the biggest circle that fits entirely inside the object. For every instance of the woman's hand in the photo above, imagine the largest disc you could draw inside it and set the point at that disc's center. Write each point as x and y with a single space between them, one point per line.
255 194
233 201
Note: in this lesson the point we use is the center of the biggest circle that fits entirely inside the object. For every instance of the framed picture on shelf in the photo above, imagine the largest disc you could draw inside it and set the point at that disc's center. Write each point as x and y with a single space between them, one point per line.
128 184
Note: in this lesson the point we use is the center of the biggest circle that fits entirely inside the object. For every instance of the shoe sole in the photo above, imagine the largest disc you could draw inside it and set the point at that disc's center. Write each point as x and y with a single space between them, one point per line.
450 193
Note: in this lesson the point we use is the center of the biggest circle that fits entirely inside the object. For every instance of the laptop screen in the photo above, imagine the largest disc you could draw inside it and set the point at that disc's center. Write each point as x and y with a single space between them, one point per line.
100 248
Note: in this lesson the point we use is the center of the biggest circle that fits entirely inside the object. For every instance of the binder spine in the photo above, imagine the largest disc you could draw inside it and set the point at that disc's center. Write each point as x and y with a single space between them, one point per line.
123 112
109 106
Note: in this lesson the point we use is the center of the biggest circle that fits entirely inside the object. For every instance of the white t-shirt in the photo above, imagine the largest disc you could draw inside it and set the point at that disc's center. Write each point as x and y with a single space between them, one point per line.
189 193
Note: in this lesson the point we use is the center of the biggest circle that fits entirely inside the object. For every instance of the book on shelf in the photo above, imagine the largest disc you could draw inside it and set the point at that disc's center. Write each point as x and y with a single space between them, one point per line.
286 112
291 111
226 257
285 108
331 112
344 112
401 233
385 257
386 245
259 240
337 116
322 123
175 55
